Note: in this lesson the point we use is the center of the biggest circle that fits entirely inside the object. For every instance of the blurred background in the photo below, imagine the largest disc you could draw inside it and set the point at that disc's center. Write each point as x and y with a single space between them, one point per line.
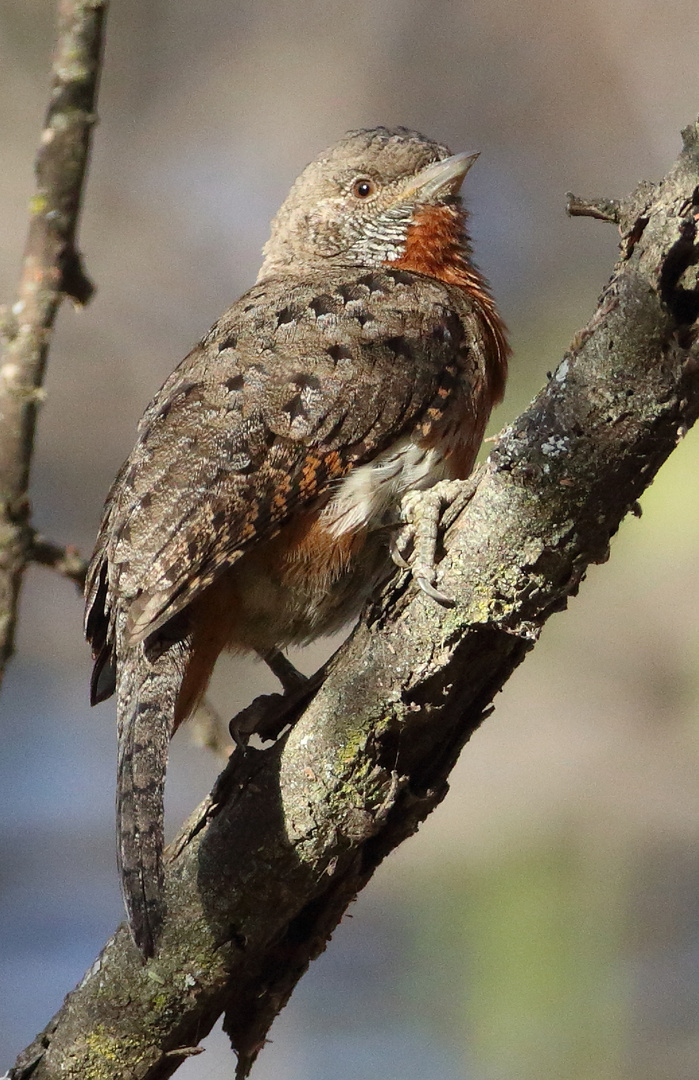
545 921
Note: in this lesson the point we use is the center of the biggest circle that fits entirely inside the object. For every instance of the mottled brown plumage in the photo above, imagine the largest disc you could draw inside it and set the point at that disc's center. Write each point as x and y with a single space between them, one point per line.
251 513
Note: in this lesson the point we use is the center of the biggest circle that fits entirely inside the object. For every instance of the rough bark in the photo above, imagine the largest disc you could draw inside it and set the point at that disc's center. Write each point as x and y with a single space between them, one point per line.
51 269
262 873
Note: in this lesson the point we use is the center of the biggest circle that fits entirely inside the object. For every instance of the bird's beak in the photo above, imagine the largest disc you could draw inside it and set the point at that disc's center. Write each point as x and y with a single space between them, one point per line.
440 178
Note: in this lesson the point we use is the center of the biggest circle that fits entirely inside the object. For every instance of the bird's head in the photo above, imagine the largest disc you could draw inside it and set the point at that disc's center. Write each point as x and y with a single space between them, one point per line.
376 197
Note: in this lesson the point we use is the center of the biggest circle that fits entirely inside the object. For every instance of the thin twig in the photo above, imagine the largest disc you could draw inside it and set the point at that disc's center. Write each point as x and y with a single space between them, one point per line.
51 269
601 209
66 561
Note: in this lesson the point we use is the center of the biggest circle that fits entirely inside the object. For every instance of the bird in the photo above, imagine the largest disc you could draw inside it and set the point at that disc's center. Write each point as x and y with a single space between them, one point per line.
258 507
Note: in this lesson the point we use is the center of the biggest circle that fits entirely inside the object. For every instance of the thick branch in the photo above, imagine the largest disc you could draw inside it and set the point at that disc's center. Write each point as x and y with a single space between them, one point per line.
51 269
263 872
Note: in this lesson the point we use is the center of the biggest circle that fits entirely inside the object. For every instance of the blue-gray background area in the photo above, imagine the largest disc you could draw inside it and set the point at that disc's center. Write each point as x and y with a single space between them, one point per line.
545 921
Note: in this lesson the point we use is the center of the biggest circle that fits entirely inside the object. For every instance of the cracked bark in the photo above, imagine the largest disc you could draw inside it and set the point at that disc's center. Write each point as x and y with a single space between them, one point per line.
264 870
51 269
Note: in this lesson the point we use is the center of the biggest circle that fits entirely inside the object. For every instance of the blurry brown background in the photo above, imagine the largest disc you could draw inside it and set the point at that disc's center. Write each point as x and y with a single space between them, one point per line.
545 921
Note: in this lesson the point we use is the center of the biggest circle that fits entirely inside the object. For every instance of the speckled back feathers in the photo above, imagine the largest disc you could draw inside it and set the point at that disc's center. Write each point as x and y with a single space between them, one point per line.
293 387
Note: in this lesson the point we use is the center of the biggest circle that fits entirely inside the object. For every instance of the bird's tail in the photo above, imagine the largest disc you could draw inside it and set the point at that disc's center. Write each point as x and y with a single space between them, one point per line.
147 691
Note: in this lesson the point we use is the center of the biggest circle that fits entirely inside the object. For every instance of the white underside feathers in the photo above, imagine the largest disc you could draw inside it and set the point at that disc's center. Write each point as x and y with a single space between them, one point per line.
371 494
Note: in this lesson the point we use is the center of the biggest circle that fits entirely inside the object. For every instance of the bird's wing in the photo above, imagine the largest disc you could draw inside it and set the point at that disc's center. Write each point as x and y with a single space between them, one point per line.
296 385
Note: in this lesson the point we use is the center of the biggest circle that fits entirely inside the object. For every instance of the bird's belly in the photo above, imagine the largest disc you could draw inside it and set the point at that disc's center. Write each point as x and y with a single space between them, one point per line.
303 584
317 573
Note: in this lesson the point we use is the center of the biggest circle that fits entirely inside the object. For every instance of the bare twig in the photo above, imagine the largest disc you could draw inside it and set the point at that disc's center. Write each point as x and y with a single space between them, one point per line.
51 269
66 561
602 209
259 878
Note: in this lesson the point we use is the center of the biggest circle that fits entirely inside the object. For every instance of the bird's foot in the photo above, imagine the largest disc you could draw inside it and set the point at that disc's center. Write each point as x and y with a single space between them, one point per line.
414 545
262 717
269 714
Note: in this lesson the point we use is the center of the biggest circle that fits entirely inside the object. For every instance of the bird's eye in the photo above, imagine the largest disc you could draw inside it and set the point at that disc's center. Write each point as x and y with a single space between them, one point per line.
363 188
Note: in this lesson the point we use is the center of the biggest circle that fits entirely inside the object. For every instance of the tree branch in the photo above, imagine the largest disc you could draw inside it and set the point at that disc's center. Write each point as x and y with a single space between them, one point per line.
264 870
51 269
66 561
602 209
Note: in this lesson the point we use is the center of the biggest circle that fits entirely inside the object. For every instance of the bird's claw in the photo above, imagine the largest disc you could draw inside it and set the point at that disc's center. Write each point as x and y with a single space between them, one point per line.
421 515
398 544
428 588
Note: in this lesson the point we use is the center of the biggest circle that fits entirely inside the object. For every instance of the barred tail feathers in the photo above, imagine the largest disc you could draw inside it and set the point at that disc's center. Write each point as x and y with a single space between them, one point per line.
147 692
